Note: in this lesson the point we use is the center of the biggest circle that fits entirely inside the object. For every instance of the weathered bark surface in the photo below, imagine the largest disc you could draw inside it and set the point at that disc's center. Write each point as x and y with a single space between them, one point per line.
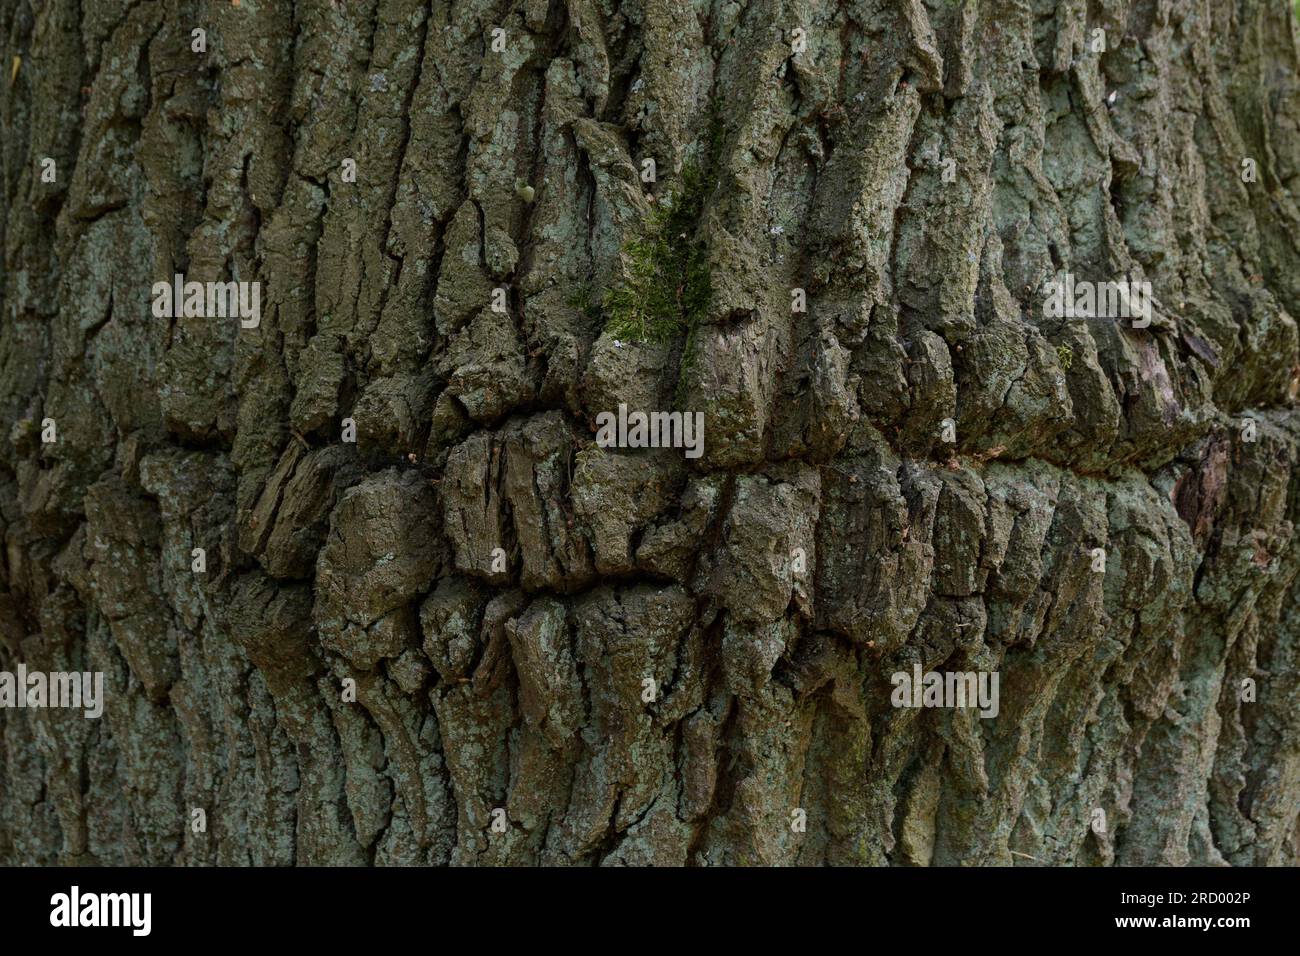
522 689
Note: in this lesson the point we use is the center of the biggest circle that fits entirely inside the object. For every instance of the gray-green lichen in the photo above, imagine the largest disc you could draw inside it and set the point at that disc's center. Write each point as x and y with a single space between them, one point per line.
639 658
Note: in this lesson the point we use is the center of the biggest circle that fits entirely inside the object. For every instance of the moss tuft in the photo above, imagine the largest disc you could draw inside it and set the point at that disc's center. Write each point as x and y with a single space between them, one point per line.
665 287
583 301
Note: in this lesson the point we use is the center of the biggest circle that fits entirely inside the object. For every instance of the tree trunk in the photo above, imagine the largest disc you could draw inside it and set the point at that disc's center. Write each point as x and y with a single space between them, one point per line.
474 634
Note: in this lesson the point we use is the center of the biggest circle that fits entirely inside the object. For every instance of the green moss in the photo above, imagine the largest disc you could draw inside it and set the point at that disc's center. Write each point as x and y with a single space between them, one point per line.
1065 353
665 287
584 302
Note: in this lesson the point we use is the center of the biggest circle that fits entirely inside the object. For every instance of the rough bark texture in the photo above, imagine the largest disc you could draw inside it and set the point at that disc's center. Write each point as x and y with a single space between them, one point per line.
522 688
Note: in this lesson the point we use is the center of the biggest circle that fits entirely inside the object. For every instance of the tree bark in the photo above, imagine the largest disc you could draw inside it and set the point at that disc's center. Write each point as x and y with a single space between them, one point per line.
476 636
